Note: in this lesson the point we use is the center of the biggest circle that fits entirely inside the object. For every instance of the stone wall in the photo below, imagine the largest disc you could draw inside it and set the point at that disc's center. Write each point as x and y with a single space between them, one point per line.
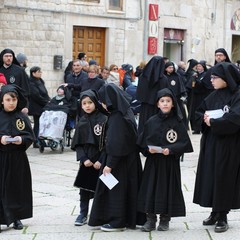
44 28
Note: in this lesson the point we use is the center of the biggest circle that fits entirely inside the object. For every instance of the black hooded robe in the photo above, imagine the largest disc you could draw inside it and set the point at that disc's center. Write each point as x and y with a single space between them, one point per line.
218 179
15 175
160 190
86 143
15 74
117 207
149 83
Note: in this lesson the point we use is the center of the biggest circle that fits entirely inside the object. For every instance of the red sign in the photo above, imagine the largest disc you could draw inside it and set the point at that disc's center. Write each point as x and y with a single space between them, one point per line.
153 12
152 45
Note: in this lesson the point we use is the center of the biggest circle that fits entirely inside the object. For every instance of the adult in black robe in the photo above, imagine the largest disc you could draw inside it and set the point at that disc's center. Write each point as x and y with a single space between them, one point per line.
176 84
87 144
221 55
14 73
116 208
160 191
197 92
218 180
15 174
150 82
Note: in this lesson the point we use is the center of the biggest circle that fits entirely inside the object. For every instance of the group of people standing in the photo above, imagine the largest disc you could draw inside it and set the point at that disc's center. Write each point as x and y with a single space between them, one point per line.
108 141
215 186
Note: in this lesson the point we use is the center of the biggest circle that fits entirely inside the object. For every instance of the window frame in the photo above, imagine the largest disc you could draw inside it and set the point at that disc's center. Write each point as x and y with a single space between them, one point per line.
114 8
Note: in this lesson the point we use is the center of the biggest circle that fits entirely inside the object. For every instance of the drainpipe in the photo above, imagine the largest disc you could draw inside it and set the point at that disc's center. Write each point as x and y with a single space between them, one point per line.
145 30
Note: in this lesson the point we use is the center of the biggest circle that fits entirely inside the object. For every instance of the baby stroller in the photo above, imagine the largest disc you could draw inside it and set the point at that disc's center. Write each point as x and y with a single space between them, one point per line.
51 127
56 122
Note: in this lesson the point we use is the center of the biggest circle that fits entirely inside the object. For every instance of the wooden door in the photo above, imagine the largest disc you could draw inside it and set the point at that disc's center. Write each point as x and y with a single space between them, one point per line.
90 40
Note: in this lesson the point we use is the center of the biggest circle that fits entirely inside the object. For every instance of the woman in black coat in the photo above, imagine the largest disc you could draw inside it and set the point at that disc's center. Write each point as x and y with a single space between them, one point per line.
38 98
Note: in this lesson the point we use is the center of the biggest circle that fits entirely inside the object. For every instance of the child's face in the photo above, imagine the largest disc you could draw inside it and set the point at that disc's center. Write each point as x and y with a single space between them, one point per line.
165 104
218 82
88 105
9 102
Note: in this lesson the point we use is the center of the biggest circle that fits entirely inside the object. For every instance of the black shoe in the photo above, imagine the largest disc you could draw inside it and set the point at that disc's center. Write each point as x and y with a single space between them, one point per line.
36 145
163 226
17 225
211 220
150 224
221 226
81 220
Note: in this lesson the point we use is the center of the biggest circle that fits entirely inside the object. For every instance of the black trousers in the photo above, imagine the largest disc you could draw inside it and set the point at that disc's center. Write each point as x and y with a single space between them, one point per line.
85 197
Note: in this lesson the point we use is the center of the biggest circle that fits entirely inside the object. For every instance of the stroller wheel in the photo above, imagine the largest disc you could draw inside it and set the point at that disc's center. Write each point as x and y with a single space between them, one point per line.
41 148
54 145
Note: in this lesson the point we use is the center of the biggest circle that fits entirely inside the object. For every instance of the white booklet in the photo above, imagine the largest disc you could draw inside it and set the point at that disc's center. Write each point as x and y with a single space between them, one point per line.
157 148
109 180
215 113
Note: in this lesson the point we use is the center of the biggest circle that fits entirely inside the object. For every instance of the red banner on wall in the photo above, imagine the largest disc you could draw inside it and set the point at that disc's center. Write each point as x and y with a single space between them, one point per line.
152 45
153 12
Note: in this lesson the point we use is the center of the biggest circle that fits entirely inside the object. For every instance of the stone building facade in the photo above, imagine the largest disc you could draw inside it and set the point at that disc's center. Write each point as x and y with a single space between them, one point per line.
44 29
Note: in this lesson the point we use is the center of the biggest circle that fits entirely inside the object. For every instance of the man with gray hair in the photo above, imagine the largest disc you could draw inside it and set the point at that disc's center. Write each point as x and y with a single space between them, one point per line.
73 80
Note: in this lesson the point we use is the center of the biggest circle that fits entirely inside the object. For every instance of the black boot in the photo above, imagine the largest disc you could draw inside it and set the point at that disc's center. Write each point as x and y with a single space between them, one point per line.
164 222
212 219
17 225
150 224
222 224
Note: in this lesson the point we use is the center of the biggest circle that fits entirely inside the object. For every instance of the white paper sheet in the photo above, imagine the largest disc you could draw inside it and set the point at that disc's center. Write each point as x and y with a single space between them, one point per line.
215 113
109 180
157 148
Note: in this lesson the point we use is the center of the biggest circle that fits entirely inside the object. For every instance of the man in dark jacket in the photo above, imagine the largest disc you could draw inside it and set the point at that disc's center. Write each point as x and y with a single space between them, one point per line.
75 78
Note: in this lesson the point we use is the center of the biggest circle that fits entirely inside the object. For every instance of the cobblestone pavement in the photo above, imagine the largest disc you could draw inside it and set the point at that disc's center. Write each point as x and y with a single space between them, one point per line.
56 205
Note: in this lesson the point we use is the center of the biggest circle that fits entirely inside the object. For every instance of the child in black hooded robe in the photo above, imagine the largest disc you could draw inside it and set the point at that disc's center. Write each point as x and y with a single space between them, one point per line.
160 191
15 173
86 143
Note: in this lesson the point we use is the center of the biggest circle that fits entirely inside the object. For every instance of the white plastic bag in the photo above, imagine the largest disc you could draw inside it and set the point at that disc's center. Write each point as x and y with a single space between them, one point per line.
52 124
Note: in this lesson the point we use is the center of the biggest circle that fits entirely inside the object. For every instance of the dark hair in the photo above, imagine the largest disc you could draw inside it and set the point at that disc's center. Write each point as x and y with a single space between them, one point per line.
81 55
105 68
34 69
12 94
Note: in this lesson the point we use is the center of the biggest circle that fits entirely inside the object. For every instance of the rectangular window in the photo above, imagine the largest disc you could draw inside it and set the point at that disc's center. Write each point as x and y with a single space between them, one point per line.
116 5
91 1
